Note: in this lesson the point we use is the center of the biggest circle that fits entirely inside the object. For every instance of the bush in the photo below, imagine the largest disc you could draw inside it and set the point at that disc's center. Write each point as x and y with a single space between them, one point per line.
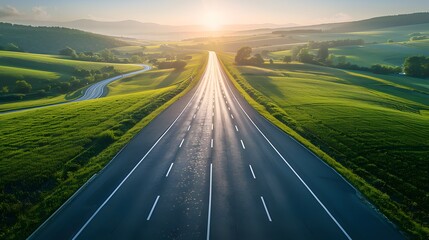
22 86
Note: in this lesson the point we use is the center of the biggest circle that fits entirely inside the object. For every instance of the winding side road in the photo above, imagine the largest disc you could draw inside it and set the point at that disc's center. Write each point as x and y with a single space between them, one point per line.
97 90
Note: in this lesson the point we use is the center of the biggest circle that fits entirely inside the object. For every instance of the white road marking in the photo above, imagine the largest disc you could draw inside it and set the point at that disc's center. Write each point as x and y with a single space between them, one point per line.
213 114
266 209
232 116
169 169
236 128
212 126
189 127
287 163
181 143
132 170
153 208
210 202
242 144
251 169
195 115
211 143
229 108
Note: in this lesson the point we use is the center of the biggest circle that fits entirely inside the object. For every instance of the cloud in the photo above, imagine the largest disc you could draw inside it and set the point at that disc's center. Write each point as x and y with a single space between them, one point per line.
40 13
338 17
8 11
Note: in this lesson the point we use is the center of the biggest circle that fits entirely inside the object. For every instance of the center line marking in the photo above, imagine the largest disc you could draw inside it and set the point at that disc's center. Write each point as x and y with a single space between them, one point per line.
251 169
211 143
266 209
189 127
181 143
242 144
210 202
153 208
169 169
236 128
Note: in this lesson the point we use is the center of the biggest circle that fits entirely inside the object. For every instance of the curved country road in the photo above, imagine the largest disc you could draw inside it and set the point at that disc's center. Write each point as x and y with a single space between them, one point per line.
97 90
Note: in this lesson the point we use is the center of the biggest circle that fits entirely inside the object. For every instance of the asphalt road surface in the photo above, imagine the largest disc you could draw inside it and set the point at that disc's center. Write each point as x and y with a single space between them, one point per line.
210 167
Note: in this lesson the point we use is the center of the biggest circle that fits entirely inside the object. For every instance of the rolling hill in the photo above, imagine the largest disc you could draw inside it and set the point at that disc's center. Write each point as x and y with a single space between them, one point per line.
52 39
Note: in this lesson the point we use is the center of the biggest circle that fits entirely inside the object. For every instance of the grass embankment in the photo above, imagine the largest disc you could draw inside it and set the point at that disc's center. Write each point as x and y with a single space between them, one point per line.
47 154
41 71
371 128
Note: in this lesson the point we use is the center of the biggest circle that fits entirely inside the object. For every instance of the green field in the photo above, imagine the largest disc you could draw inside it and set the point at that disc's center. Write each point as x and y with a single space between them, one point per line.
48 153
376 126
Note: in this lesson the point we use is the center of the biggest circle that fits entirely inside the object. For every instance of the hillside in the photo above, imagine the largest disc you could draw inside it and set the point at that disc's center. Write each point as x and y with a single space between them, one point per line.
53 39
367 24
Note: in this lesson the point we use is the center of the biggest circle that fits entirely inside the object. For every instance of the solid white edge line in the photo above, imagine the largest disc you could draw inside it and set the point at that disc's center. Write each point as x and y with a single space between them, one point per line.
210 202
251 169
169 169
132 170
266 209
153 208
287 163
181 143
242 144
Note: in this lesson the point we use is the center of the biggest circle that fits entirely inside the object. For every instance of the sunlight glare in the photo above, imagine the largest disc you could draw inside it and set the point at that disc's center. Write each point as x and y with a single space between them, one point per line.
212 21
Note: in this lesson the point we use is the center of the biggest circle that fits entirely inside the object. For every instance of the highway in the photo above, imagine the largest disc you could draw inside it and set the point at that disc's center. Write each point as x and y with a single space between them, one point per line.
210 167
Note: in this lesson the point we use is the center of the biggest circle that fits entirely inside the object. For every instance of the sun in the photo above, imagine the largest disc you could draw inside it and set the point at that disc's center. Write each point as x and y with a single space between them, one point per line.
212 21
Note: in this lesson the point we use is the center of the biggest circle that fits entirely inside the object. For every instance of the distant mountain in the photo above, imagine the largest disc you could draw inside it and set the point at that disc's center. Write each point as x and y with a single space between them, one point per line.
367 24
53 39
147 30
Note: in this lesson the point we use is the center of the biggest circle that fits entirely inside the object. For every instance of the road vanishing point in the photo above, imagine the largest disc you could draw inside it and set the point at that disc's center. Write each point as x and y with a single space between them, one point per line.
211 167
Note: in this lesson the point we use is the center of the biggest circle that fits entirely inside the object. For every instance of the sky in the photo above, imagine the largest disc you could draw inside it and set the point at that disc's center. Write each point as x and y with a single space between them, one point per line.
207 12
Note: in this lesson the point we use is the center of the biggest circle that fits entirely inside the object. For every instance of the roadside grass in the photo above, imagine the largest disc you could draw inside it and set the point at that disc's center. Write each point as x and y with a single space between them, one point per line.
371 128
48 153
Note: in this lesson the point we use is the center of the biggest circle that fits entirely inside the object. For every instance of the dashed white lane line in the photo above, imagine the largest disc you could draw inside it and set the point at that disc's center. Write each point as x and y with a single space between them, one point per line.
153 208
229 108
232 116
181 143
210 202
242 144
189 128
251 169
212 126
195 115
169 169
236 128
266 209
211 143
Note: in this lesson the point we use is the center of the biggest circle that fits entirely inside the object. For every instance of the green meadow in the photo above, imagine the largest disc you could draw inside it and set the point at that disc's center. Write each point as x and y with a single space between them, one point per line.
376 127
48 153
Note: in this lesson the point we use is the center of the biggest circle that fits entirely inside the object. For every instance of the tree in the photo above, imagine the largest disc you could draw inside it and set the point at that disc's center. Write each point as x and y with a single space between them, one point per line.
136 59
304 56
417 66
22 86
179 65
287 59
68 51
323 53
243 54
271 61
4 89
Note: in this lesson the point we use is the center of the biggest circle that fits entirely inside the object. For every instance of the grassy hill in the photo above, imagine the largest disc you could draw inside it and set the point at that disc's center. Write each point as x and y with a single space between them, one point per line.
53 39
376 126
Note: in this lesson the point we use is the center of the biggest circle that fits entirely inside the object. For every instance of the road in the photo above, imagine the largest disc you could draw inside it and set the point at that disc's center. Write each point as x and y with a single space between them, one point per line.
210 167
97 90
